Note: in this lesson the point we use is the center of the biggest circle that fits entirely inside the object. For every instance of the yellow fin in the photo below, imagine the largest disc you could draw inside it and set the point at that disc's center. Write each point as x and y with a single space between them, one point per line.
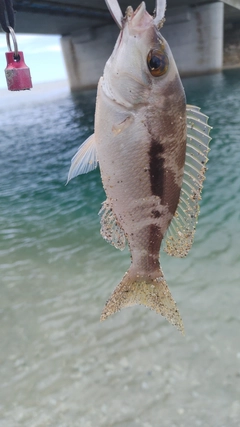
180 234
153 293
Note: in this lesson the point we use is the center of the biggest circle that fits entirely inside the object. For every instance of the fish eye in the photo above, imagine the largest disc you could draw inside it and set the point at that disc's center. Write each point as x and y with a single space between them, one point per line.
157 62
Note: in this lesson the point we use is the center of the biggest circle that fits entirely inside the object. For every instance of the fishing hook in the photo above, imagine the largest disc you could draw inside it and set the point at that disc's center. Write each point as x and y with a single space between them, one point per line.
160 9
115 11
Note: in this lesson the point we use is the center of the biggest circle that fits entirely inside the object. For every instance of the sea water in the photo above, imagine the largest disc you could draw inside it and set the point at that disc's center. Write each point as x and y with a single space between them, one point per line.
61 367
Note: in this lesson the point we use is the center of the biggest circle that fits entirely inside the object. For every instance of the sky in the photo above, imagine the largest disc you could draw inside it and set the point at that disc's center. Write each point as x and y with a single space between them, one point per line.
42 54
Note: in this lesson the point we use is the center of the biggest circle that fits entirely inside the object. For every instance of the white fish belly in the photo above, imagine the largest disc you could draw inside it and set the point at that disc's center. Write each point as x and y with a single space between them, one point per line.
122 146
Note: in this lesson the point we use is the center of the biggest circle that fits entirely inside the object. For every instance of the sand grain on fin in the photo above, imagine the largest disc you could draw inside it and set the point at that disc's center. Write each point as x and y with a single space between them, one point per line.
152 293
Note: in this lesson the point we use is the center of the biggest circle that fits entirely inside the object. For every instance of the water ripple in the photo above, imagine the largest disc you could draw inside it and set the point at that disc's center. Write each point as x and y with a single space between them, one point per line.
59 365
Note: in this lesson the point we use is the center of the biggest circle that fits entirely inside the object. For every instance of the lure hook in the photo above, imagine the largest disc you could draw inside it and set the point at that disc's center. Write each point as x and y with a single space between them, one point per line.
115 11
160 9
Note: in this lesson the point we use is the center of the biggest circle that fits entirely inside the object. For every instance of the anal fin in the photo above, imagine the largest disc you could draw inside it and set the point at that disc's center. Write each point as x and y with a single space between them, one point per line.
111 230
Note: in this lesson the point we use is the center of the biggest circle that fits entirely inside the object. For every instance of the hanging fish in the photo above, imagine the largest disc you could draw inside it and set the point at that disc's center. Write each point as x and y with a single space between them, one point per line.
152 151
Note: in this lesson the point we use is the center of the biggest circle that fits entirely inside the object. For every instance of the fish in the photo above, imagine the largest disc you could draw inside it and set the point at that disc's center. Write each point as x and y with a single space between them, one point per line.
152 149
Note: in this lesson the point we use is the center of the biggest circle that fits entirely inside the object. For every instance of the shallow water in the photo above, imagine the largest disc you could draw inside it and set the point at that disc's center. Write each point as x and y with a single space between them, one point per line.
59 365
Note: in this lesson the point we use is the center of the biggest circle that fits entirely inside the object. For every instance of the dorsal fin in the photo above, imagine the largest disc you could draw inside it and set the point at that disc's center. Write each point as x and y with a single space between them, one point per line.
180 234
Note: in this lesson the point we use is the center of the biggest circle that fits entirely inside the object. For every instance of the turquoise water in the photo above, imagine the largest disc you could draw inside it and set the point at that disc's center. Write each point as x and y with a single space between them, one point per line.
59 365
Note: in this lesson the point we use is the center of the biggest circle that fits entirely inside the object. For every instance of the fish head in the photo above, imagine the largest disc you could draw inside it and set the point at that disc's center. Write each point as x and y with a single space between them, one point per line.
141 61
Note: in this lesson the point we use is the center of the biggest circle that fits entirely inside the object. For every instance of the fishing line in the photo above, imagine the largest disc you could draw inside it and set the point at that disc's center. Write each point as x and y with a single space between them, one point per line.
7 15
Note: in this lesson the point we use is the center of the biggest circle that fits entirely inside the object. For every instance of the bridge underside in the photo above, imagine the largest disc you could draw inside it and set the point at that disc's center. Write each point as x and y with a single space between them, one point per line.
61 17
194 30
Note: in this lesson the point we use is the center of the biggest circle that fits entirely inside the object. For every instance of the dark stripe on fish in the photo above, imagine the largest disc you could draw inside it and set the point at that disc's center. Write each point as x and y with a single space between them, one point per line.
156 168
155 238
172 192
154 242
149 237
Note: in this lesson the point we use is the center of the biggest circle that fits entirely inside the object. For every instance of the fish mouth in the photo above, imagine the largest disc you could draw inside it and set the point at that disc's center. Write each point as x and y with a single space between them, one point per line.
140 9
137 15
142 16
130 13
139 18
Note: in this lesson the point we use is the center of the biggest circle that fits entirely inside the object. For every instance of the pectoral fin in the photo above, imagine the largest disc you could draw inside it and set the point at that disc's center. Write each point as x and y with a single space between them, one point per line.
85 160
180 234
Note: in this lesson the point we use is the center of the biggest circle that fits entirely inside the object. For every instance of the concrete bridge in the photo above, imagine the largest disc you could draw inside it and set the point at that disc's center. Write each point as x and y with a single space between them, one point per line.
193 28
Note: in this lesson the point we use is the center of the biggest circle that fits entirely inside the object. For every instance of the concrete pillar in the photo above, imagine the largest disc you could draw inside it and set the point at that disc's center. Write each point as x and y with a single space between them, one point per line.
86 53
195 35
233 3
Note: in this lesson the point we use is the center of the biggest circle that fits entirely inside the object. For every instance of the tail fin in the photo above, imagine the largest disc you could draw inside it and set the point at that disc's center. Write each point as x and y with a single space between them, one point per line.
152 293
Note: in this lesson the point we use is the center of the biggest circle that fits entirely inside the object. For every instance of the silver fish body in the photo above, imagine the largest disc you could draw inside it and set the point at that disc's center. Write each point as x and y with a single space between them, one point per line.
140 143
